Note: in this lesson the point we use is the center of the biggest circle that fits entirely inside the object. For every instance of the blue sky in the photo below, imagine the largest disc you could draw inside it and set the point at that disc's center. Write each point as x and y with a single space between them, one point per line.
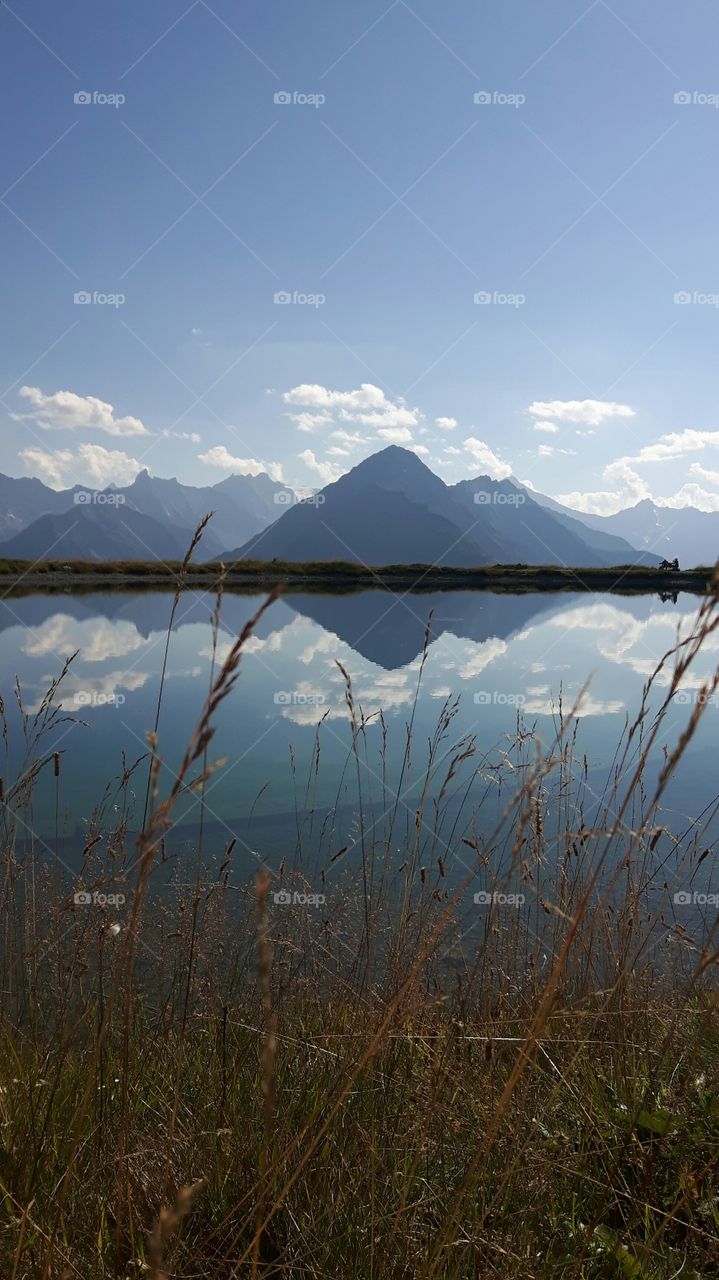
580 199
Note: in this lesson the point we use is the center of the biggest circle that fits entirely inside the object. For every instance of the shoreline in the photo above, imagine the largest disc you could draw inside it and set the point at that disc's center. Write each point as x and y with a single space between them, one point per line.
627 579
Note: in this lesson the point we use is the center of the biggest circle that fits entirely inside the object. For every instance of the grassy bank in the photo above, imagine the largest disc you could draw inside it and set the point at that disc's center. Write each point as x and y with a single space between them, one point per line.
383 1078
344 574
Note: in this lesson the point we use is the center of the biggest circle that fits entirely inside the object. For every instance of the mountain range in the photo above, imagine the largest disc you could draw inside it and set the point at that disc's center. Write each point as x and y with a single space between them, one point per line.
389 509
149 519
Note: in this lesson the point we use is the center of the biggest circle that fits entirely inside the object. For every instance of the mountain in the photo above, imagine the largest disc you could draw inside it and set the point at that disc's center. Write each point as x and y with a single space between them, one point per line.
690 535
391 509
23 499
97 532
241 506
532 534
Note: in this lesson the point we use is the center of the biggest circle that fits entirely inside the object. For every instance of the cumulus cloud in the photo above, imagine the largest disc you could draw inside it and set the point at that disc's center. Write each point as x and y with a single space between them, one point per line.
696 469
445 424
326 470
590 412
487 459
676 444
221 457
367 405
66 411
395 435
628 488
90 465
549 428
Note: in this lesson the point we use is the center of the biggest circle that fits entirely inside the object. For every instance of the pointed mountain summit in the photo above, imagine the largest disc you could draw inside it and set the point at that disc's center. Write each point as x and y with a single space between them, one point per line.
391 509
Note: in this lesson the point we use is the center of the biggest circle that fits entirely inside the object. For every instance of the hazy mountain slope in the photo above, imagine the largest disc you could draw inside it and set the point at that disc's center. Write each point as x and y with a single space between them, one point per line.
23 499
532 534
94 532
242 505
685 532
608 548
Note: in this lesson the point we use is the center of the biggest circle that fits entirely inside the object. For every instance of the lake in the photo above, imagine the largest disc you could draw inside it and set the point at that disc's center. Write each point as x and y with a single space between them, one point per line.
496 666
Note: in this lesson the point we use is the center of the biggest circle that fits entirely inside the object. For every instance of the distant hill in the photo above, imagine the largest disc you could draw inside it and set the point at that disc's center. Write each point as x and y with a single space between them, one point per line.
392 509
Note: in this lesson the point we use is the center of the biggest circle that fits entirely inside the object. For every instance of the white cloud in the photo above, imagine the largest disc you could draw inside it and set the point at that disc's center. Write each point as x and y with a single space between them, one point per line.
395 435
367 405
676 444
90 465
310 422
66 411
326 470
628 489
220 457
485 458
549 450
591 412
696 469
445 424
549 428
691 495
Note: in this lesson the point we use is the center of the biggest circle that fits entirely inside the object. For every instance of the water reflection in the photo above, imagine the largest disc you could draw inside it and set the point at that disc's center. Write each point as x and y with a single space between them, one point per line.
511 661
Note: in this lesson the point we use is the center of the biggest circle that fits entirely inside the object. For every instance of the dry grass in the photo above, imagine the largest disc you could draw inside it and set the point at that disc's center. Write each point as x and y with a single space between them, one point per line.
398 1084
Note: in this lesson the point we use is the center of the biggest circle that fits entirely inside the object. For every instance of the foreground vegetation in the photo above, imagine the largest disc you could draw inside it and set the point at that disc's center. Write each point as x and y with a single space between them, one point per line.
394 1081
340 573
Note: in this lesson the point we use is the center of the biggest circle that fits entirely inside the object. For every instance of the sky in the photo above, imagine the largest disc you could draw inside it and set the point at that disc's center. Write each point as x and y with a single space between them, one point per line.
279 237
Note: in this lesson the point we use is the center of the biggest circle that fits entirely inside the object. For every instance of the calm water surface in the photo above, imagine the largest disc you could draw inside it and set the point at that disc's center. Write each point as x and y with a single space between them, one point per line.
501 656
